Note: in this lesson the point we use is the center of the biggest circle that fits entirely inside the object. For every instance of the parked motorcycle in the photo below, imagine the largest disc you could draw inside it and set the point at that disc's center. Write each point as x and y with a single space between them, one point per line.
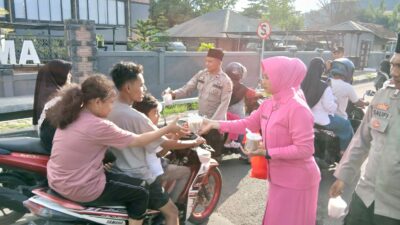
196 203
326 143
23 167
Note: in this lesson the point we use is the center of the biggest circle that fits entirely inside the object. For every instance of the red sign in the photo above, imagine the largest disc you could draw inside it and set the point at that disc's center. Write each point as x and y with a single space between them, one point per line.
264 30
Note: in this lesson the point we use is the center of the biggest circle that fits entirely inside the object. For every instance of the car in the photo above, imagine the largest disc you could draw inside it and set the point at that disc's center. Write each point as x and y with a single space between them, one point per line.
176 46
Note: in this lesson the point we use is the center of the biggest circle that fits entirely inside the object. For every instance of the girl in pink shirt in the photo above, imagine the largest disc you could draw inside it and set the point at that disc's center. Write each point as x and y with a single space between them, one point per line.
286 124
75 168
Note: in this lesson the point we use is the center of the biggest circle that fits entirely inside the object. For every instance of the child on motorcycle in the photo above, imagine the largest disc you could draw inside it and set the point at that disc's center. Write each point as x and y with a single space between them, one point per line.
169 172
75 169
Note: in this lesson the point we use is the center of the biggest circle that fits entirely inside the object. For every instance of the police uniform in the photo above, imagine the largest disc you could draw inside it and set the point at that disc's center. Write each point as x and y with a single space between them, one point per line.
215 92
378 138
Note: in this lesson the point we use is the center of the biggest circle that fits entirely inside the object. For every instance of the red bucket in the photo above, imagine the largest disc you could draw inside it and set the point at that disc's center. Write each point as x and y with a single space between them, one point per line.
259 167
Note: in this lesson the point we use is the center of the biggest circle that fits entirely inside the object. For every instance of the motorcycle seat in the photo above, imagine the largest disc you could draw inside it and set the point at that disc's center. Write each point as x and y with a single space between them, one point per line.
23 145
55 197
91 209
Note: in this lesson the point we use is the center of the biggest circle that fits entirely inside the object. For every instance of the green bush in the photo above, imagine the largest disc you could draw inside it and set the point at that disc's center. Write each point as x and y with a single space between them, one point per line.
176 109
205 46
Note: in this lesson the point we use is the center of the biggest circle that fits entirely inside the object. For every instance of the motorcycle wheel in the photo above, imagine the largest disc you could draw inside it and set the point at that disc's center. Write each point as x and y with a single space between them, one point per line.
8 215
208 197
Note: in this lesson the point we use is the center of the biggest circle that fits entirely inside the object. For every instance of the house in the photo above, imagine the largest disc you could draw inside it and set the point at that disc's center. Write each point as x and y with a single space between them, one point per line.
351 35
225 28
114 19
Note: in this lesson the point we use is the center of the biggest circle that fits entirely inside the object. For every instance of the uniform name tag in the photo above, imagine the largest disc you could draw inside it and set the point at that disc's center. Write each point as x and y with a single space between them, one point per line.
380 113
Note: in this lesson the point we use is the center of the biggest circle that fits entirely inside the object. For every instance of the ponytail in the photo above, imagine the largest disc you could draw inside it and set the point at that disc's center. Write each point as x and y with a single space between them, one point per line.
67 110
74 97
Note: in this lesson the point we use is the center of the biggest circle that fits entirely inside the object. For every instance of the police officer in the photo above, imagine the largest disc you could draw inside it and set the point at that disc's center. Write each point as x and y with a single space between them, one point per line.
215 90
376 200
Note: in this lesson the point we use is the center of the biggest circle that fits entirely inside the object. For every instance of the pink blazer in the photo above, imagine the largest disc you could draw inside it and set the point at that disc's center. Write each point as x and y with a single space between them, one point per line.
286 124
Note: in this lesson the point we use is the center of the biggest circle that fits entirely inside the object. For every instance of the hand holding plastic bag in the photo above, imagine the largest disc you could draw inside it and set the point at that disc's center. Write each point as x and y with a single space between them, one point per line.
337 207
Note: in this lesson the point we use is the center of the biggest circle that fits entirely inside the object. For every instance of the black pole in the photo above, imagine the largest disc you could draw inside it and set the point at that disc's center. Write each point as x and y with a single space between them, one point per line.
48 37
114 38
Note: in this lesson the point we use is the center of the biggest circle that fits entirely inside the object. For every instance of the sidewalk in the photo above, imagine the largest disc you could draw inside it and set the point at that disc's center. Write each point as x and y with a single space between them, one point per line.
361 76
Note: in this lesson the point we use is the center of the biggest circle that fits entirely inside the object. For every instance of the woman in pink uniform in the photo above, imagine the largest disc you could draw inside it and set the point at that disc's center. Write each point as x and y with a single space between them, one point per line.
286 124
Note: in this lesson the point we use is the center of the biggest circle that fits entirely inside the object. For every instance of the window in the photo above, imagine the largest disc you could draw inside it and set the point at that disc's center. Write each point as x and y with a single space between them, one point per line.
66 7
121 12
93 11
55 10
103 17
83 13
19 8
112 12
44 10
33 13
139 12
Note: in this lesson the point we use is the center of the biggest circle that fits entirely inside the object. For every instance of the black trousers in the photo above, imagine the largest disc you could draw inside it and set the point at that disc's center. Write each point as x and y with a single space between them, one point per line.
360 214
123 189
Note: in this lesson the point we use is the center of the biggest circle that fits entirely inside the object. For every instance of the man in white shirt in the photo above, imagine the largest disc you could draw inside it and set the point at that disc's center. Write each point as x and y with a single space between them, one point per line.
344 92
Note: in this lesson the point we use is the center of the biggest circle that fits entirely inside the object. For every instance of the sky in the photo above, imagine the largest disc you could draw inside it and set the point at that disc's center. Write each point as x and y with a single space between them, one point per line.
301 5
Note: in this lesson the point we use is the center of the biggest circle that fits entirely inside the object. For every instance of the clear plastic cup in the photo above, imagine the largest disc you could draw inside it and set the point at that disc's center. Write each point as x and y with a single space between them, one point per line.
167 97
194 122
252 141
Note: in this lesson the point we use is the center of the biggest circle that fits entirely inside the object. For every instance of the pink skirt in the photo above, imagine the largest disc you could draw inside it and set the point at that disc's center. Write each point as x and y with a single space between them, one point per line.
287 206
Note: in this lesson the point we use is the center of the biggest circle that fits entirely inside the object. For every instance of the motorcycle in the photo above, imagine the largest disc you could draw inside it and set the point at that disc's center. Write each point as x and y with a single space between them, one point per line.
23 167
326 143
196 203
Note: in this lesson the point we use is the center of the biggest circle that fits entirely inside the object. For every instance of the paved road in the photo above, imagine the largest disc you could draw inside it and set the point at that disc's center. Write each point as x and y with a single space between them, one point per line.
243 198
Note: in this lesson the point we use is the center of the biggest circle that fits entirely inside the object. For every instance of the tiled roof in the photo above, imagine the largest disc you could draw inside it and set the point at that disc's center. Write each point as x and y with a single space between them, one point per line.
215 25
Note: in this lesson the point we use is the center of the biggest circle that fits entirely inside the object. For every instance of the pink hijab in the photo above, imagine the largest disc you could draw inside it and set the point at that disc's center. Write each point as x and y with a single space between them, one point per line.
284 73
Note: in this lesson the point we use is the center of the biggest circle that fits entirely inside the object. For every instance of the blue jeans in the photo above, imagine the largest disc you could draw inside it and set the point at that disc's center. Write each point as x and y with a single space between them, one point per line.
343 130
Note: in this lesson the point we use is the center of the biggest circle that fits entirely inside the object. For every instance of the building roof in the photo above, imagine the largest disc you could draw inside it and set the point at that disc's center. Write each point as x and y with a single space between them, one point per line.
349 26
380 31
215 25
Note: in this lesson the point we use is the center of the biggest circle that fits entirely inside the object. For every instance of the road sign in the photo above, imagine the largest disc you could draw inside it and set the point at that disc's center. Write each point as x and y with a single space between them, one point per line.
264 30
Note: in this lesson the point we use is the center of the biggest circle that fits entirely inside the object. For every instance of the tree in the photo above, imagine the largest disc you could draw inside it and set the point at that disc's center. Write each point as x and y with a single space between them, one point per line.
282 13
145 34
339 11
205 6
394 22
255 9
172 12
279 13
380 16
